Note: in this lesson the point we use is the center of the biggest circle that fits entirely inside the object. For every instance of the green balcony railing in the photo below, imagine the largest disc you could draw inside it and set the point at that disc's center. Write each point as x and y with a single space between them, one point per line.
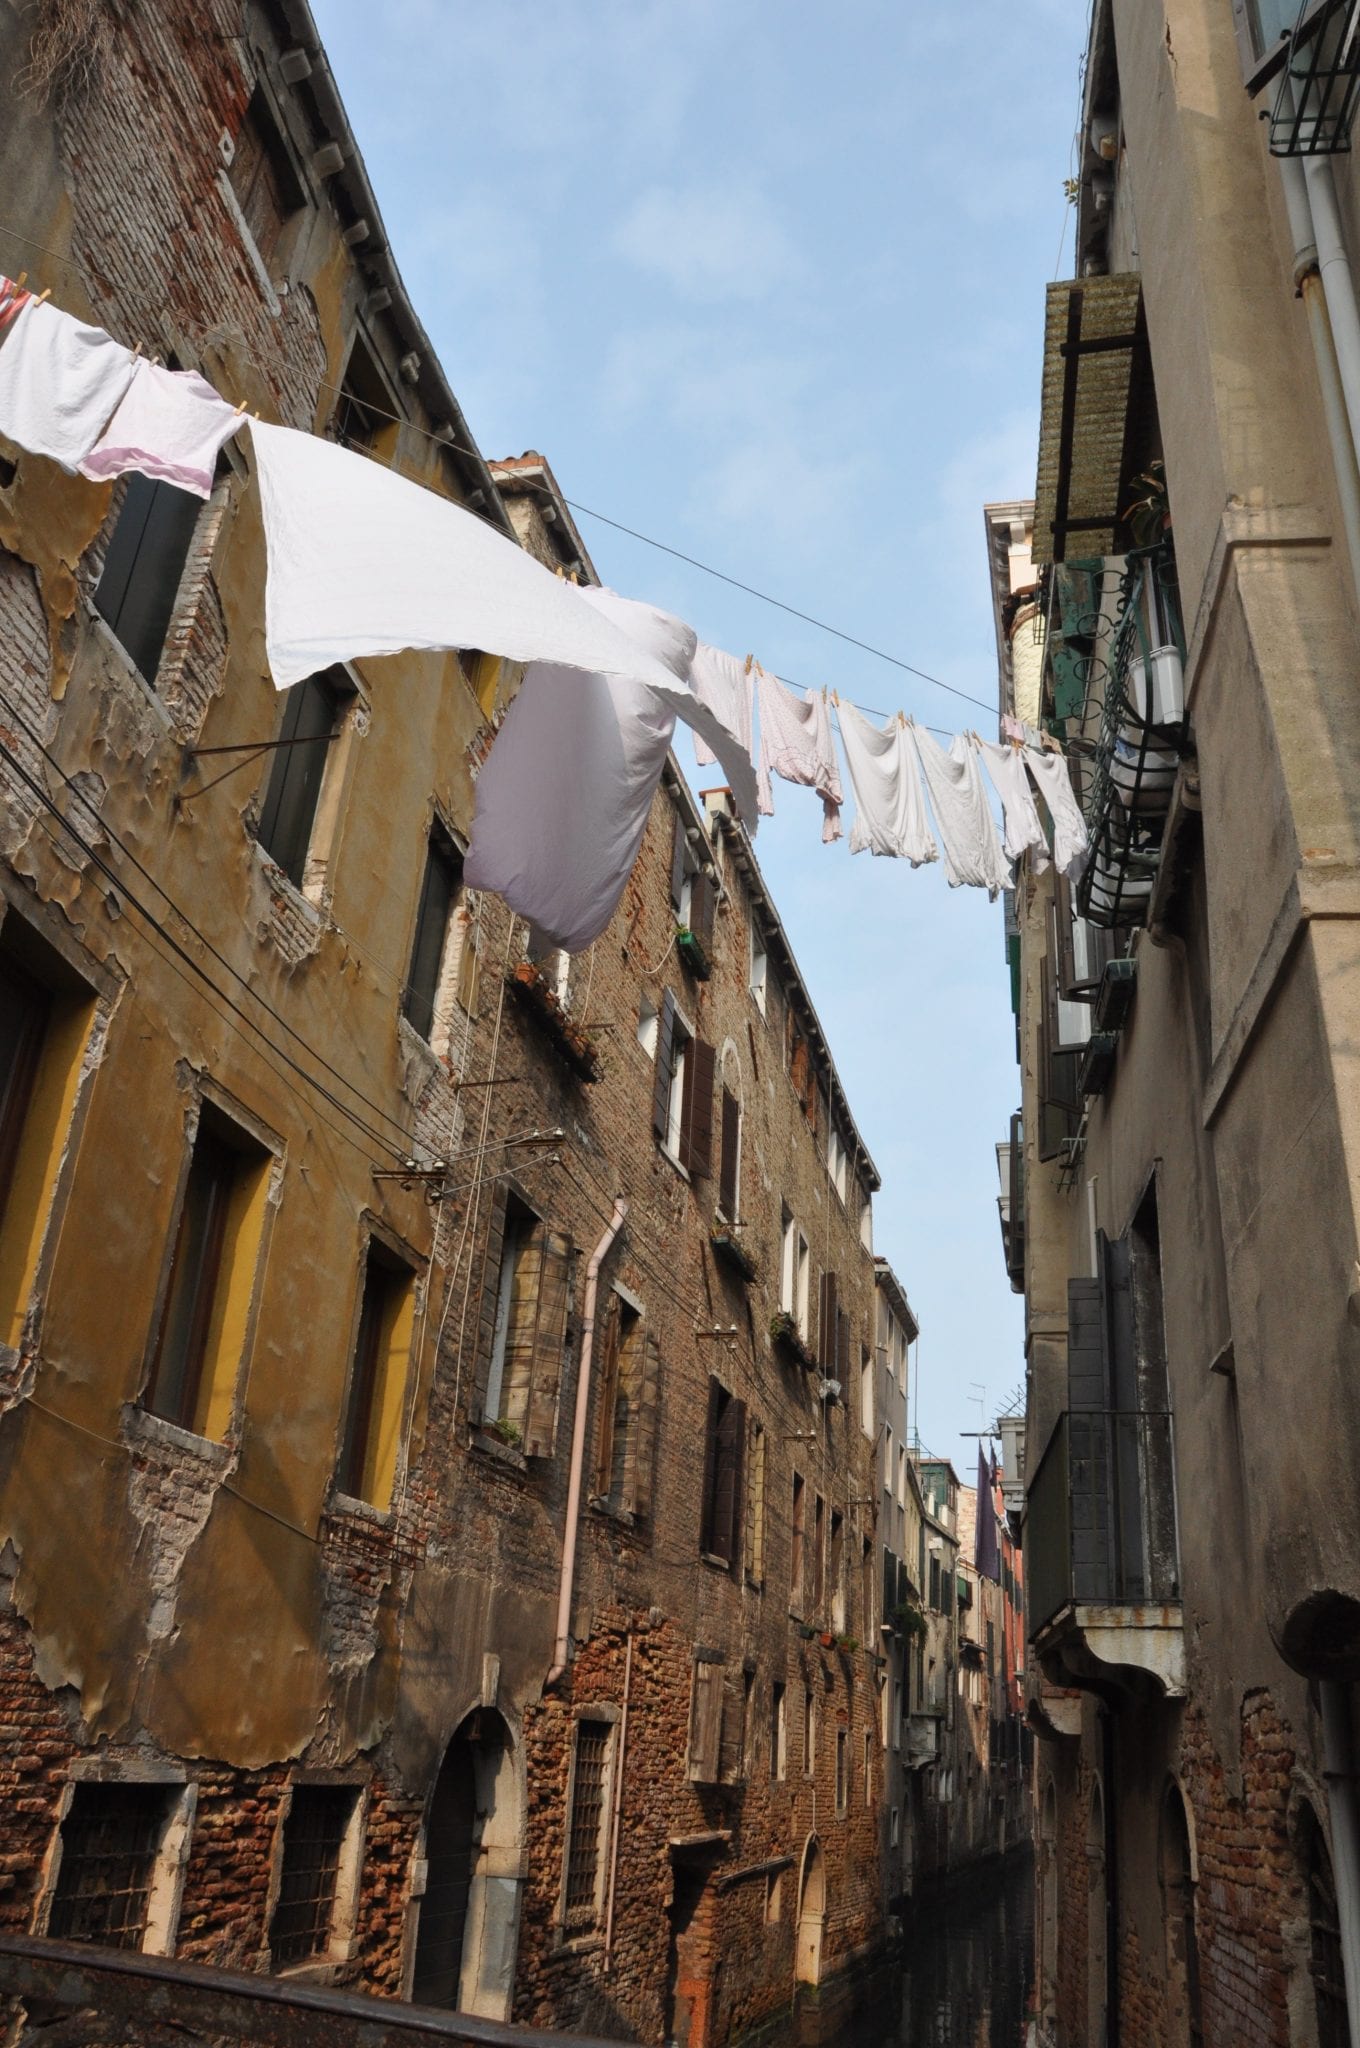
1100 1523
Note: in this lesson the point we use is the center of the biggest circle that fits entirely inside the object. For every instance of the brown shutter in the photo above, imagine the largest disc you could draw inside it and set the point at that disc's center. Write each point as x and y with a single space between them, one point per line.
521 1328
706 1518
705 1722
550 1337
842 1372
677 864
731 1142
727 1497
642 1463
702 899
696 1150
827 1333
665 1053
732 1741
491 1281
607 1401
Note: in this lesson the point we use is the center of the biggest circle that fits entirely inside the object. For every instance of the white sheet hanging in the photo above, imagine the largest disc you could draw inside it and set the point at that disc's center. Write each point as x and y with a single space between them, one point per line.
796 743
969 846
1071 842
724 684
890 812
1024 829
563 799
60 382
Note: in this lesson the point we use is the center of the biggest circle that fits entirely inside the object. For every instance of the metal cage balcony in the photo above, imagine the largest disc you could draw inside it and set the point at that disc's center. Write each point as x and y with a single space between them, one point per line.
1100 1527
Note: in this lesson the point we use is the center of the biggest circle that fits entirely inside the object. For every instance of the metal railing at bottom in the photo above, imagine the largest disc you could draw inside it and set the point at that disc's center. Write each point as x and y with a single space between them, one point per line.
1100 1522
63 1994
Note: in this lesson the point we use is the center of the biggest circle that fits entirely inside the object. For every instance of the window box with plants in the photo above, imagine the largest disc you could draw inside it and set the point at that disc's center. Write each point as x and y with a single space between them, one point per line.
692 951
786 1337
534 993
909 1620
725 1239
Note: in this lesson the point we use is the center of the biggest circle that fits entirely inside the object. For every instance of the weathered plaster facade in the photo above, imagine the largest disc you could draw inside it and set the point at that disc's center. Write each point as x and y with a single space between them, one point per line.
669 1824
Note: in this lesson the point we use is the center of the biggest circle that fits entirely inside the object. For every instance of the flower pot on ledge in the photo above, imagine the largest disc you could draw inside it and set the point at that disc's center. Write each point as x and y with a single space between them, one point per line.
728 1247
531 990
785 1337
690 947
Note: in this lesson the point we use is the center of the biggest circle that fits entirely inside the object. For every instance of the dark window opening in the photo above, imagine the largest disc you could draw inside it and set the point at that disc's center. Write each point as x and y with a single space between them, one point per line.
313 1838
24 1010
439 895
311 718
144 566
365 407
266 186
724 1443
110 1839
361 1470
729 1169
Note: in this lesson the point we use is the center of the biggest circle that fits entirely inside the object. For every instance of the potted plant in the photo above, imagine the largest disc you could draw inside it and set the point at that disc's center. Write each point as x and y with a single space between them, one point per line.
690 947
786 1337
506 1431
827 1639
908 1619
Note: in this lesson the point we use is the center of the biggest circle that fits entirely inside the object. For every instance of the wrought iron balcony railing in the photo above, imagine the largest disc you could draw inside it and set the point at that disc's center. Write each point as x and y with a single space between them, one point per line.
1100 1524
1142 736
70 1994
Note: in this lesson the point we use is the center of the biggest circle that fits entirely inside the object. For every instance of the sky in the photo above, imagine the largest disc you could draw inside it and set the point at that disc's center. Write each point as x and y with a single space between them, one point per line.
772 292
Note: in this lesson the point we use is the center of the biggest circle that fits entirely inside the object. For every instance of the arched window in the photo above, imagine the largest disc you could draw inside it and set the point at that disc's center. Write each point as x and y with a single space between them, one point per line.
1324 1935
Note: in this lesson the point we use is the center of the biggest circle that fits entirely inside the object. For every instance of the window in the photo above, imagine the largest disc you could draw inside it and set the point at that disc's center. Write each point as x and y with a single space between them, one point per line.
801 1072
682 1103
312 713
729 1172
897 1715
367 1466
365 409
111 1840
797 1563
794 1274
836 1161
629 1388
759 970
524 1326
809 1732
836 1571
719 1703
901 1475
866 1222
584 1876
205 1314
866 1391
439 895
774 1898
818 1554
265 185
45 1018
693 895
1324 1932
888 1456
724 1443
833 1331
143 567
647 1027
779 1760
755 1510
868 1768
1263 31
842 1770
320 1850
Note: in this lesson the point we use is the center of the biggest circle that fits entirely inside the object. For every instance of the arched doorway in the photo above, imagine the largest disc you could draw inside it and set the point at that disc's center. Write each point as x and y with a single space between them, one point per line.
1178 1923
807 1961
468 1922
1048 1890
1097 1898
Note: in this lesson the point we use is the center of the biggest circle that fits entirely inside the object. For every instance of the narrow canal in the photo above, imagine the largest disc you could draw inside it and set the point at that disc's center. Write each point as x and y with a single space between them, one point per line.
968 1967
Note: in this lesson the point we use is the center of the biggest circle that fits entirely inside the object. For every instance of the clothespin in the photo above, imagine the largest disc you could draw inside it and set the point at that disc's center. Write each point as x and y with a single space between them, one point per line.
43 295
240 408
560 573
137 351
21 280
749 659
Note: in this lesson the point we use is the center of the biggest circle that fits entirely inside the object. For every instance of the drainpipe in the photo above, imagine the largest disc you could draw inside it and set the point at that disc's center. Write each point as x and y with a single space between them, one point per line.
1339 1769
566 1584
618 1806
1322 277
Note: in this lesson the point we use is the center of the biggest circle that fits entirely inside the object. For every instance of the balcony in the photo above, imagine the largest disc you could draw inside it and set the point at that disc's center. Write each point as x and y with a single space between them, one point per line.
1101 1565
1139 747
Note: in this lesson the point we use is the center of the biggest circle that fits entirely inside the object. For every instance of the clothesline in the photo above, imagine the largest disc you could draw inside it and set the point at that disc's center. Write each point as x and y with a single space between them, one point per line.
648 540
363 562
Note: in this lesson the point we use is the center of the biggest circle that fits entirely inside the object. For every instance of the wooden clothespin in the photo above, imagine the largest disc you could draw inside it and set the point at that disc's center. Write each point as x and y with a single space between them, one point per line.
43 295
560 573
240 408
21 280
136 352
749 660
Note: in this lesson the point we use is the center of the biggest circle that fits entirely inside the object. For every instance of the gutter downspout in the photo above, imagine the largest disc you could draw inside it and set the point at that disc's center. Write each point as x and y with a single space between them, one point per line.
567 1582
1339 1770
618 1807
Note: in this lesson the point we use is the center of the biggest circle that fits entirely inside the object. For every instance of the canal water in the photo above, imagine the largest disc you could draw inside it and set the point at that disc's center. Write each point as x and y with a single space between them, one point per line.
968 1967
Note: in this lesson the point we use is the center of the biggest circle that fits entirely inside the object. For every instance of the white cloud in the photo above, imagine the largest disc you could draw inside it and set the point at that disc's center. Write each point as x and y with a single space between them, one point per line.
707 243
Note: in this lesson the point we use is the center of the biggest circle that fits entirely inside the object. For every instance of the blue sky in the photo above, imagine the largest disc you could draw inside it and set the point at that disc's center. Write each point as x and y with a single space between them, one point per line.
773 293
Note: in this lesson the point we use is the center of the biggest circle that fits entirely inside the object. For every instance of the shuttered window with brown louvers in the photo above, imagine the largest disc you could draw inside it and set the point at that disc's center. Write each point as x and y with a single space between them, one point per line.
609 1404
696 1118
679 863
534 1298
629 1388
826 1326
728 1188
732 1742
702 902
665 1066
725 1441
706 1719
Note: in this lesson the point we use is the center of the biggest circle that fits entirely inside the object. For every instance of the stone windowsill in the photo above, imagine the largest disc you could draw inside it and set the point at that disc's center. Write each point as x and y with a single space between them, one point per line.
142 1428
347 1507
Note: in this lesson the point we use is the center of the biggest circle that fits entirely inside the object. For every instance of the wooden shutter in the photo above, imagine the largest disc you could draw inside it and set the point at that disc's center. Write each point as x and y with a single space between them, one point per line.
842 1372
491 1281
521 1326
696 1138
702 900
732 1739
705 1720
827 1332
678 851
731 1145
144 564
715 1400
665 1054
550 1337
727 1490
642 1458
607 1401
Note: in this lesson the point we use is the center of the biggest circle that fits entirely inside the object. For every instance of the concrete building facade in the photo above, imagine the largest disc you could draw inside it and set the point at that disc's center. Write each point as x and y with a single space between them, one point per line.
1183 1219
437 1500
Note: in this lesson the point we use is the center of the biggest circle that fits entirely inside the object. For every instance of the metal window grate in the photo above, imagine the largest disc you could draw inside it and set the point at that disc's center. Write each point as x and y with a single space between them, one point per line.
587 1814
109 1841
313 1835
